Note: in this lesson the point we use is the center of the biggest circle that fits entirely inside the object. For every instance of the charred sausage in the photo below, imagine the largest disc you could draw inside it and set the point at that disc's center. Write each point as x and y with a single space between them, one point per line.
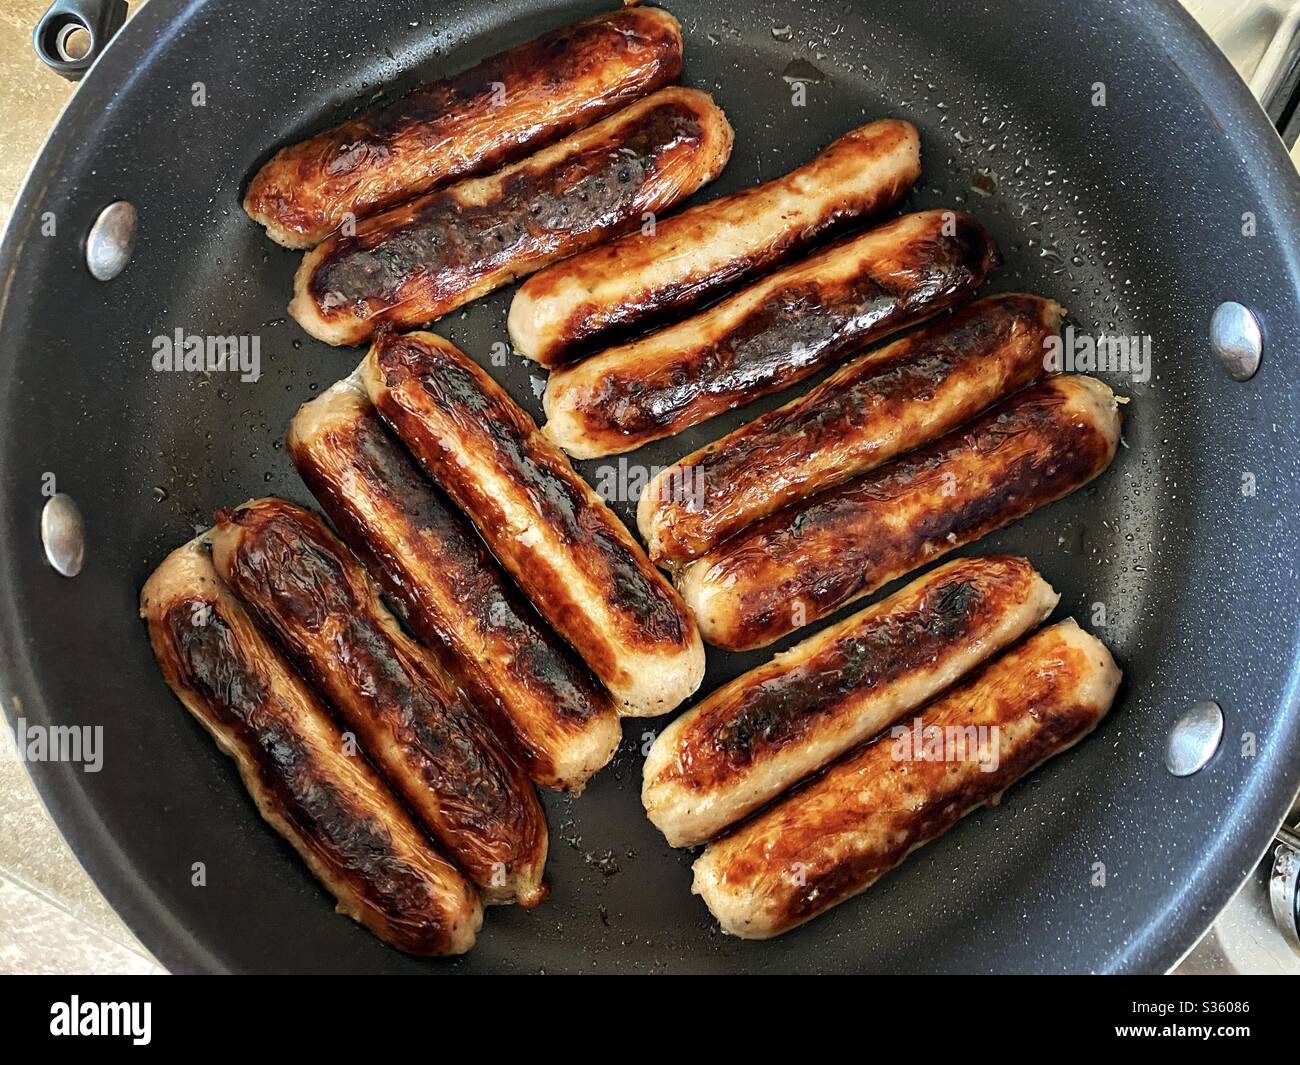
889 401
768 336
417 261
815 556
508 106
332 807
569 308
408 715
450 591
573 558
768 729
839 833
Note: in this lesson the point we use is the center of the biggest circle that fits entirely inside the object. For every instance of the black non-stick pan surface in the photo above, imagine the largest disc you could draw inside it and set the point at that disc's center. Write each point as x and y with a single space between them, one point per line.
1132 214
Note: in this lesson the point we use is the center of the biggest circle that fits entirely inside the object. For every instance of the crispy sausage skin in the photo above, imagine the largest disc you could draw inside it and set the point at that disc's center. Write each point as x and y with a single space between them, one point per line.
441 757
508 106
573 558
770 335
839 833
333 809
815 556
450 591
419 260
889 401
768 729
568 308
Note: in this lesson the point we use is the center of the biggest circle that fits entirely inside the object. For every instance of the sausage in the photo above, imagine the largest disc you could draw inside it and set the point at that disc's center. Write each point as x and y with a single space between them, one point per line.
768 729
768 336
333 809
450 592
572 557
418 261
880 405
569 308
839 833
408 715
506 107
813 557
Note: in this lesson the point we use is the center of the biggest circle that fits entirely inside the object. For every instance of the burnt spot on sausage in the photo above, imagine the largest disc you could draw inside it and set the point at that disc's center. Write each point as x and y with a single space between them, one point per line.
306 580
480 410
431 719
209 661
794 332
445 245
775 715
798 328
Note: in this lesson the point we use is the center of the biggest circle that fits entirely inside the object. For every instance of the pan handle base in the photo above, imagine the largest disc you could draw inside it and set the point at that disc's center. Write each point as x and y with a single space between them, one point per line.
72 33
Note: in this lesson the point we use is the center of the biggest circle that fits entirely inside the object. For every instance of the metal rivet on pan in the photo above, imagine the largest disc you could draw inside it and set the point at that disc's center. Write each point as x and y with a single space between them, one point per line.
64 534
111 241
1194 739
1237 340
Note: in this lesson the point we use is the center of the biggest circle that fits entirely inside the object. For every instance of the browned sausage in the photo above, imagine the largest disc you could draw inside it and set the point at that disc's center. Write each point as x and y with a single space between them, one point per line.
417 261
843 830
343 821
509 105
880 405
813 557
768 729
450 591
567 309
768 336
439 755
573 558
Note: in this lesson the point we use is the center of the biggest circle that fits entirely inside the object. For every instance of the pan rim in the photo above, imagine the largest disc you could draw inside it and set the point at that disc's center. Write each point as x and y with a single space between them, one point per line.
1168 935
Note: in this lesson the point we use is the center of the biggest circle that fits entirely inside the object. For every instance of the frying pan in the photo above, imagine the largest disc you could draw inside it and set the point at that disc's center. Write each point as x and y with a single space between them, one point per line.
1133 214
